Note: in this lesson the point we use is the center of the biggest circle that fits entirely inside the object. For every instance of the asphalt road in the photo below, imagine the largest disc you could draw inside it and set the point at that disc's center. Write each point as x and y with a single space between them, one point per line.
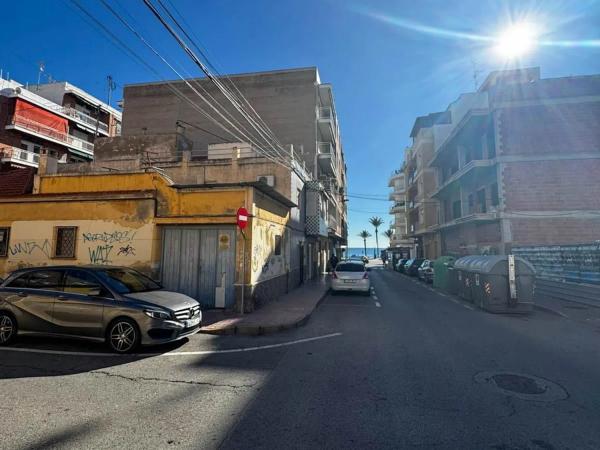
404 368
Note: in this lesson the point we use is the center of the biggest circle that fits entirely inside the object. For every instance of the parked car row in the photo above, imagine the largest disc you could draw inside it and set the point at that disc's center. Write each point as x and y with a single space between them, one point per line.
116 305
417 267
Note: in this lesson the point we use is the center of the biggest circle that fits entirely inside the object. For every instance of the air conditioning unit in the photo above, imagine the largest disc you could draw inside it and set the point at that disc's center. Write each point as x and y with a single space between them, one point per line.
412 228
269 180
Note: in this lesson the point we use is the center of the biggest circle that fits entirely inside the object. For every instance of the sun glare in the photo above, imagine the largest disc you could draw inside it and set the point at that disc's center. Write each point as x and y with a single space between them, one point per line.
516 41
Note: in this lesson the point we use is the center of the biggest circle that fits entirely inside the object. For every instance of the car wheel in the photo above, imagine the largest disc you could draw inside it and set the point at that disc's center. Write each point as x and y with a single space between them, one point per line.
123 336
8 328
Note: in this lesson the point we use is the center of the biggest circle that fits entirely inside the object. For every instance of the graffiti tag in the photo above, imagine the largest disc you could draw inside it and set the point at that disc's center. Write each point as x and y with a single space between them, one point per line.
128 250
112 237
100 254
28 247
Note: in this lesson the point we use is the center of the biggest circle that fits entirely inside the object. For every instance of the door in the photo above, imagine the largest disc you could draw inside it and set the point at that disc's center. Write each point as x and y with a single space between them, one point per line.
79 309
32 295
200 262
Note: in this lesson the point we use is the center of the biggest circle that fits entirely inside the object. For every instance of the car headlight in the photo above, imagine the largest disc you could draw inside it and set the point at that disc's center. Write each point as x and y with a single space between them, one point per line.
157 314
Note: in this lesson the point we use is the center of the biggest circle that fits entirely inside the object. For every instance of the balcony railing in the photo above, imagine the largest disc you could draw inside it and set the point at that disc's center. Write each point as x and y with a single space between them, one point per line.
86 118
18 155
51 133
325 112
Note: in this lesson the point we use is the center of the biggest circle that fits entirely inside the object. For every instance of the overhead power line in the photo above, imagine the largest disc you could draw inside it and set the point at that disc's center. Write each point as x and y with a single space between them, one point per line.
265 134
236 135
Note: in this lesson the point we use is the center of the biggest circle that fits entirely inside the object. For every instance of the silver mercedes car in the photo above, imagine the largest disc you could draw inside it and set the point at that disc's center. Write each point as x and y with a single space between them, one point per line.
116 305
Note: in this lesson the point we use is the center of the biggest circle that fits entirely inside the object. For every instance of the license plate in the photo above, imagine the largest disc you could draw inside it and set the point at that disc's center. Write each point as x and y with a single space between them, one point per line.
192 322
350 281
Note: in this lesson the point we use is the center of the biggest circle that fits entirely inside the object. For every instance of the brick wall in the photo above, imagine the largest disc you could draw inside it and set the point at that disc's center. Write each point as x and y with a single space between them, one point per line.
552 185
554 231
472 239
547 129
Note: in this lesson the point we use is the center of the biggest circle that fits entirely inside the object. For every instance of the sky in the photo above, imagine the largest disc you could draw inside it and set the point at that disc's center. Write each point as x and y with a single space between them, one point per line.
389 61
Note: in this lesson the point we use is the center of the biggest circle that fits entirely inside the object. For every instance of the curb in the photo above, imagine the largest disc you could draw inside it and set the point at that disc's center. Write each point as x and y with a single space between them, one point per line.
550 311
257 330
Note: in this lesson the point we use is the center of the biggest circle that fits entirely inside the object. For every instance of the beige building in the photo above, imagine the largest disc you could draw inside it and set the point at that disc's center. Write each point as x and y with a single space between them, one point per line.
399 243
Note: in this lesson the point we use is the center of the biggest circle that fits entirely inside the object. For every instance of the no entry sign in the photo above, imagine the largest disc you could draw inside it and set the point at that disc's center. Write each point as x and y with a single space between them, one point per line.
242 218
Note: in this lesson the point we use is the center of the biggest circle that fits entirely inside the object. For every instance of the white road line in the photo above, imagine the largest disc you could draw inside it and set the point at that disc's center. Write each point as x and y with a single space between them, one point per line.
378 304
375 297
200 352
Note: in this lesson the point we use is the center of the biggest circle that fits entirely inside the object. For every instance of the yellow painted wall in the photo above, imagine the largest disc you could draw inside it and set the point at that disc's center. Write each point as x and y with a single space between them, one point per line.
113 229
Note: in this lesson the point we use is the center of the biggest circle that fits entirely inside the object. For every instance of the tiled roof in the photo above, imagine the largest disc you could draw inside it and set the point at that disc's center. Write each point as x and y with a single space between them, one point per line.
16 182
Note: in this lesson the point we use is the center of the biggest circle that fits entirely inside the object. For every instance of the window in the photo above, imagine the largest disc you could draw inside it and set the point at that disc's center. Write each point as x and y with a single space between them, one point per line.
48 280
127 281
481 201
277 245
495 198
456 209
24 146
65 242
471 204
19 282
36 149
82 282
4 237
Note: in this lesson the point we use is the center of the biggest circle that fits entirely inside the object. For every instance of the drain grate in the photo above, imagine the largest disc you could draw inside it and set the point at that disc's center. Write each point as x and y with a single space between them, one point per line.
526 387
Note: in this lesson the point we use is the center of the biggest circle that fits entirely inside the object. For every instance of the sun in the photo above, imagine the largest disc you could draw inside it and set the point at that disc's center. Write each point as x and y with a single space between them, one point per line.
516 41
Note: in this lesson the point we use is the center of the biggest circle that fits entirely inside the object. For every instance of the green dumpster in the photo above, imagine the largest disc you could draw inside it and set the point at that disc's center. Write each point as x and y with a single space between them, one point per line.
441 274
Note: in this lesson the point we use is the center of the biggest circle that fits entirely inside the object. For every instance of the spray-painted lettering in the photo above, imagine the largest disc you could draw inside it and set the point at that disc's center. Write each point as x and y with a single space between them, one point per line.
29 247
100 254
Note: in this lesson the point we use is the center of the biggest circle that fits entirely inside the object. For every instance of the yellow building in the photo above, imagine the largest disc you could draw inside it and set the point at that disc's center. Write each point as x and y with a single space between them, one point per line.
186 236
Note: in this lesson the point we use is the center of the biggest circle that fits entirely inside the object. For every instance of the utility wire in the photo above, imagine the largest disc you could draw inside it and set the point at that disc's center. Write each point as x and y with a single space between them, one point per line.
207 72
202 111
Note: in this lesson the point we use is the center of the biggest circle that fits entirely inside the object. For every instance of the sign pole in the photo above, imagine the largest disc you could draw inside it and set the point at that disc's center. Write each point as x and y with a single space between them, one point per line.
242 222
243 271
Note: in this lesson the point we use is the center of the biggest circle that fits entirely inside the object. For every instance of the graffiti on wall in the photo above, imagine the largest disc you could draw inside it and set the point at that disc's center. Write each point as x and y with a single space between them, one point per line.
30 247
265 263
112 237
100 254
101 246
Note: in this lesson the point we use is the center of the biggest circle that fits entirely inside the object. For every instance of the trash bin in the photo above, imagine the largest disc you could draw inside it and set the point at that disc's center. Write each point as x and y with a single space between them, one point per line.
441 272
484 280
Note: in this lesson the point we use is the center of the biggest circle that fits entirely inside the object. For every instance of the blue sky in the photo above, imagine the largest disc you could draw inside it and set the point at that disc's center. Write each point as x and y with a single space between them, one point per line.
389 61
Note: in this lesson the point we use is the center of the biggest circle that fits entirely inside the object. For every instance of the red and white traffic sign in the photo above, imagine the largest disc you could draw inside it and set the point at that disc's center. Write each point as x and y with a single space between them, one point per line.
242 218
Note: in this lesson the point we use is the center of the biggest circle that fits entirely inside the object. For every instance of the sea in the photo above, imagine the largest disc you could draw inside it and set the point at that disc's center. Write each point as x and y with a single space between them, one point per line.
360 251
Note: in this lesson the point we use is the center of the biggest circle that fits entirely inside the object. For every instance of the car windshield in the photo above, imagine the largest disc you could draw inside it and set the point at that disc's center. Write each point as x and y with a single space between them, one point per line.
350 267
127 281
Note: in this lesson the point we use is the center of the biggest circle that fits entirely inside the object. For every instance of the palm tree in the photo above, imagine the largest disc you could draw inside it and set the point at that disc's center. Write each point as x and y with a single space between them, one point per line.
364 234
376 222
389 234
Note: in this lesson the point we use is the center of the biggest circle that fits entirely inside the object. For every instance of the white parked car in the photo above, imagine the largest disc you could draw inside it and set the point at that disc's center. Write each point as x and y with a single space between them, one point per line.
351 276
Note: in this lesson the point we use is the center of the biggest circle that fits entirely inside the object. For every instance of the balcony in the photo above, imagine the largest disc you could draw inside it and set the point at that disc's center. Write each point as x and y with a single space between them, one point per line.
19 156
399 207
45 132
490 216
316 226
327 158
85 118
327 123
473 168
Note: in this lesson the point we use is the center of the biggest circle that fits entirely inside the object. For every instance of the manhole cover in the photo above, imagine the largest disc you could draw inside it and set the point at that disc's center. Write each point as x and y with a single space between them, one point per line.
526 387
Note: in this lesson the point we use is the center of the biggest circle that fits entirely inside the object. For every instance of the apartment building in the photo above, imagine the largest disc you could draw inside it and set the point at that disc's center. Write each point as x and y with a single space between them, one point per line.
519 164
301 112
422 210
57 118
400 242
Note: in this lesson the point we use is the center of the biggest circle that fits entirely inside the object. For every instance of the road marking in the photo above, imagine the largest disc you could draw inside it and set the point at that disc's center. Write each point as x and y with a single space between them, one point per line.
200 352
375 297
378 304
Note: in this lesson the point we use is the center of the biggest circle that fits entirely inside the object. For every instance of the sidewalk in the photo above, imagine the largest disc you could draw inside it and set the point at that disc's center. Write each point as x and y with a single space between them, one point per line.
291 310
